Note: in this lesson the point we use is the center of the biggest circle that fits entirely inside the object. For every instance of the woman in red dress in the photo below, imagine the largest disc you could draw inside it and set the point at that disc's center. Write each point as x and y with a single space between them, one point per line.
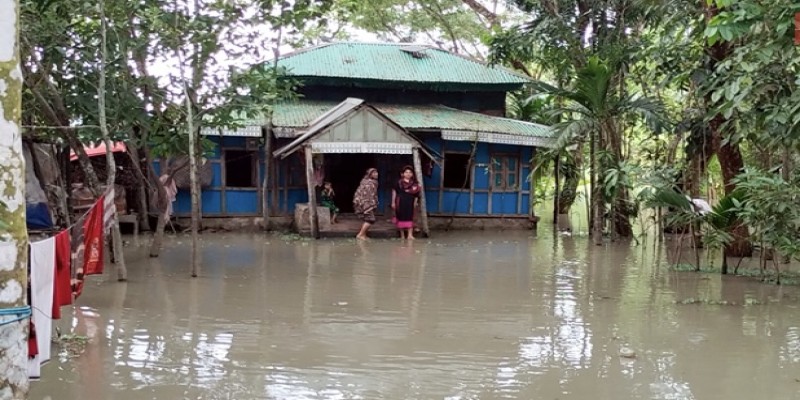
404 202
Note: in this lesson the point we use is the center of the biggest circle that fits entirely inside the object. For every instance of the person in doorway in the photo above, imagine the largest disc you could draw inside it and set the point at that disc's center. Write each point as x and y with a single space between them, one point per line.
365 201
405 196
328 196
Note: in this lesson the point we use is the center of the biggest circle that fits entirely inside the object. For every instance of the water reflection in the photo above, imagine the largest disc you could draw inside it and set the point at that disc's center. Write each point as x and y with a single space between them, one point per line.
464 316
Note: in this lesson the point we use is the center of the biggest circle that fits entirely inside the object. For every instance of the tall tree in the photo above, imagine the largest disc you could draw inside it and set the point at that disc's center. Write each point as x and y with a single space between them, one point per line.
111 166
13 231
754 95
592 111
460 26
561 37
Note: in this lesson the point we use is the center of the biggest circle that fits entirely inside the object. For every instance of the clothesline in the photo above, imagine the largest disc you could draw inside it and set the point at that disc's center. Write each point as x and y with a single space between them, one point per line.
81 218
58 266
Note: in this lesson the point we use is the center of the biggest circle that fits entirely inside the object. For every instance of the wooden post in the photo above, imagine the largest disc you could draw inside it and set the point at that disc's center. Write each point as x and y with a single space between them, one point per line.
265 210
312 193
520 181
423 204
557 197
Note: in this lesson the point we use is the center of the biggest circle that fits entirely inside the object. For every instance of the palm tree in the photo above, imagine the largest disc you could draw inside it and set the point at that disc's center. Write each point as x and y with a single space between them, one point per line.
539 108
593 112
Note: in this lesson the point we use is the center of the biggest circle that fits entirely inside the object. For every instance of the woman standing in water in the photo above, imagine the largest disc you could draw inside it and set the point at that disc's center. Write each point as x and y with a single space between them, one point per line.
365 201
404 202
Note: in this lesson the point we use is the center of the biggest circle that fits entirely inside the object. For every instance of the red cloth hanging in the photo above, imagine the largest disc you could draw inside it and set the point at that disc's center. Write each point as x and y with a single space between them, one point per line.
93 240
33 348
797 28
62 288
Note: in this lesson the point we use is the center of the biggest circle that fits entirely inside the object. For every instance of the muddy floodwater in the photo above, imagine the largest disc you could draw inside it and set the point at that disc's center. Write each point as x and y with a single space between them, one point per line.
481 315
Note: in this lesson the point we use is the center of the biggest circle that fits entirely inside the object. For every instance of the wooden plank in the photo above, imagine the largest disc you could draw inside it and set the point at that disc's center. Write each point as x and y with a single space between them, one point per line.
423 203
224 180
473 173
312 193
274 180
265 210
286 191
519 180
441 177
479 216
491 179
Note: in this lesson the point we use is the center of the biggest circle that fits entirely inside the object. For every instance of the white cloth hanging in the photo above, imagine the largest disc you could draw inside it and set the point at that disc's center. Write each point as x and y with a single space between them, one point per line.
43 262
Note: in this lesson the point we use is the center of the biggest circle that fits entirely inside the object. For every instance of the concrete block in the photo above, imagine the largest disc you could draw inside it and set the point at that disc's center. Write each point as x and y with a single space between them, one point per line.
302 220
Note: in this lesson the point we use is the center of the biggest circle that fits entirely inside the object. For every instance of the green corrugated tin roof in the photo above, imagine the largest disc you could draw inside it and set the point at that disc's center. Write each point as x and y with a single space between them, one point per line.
394 63
298 114
446 118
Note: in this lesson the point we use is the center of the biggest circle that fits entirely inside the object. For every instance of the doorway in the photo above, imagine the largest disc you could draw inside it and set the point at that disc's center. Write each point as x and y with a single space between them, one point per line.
344 172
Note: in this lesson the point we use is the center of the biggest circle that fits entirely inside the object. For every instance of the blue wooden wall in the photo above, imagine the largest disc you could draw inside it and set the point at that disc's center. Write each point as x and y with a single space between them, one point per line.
447 201
218 200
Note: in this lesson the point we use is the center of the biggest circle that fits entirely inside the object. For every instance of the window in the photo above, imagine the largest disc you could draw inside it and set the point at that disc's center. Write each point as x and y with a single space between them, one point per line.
240 169
505 173
456 173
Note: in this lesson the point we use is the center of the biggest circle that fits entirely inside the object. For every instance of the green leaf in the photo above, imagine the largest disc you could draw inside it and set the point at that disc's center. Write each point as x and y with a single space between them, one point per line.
716 95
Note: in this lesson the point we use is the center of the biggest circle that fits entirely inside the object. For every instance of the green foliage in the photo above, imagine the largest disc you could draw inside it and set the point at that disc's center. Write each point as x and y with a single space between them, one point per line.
453 25
156 52
723 215
593 108
770 206
758 83
670 198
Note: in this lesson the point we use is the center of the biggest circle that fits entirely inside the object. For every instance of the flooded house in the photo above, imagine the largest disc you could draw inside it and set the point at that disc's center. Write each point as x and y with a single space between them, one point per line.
365 105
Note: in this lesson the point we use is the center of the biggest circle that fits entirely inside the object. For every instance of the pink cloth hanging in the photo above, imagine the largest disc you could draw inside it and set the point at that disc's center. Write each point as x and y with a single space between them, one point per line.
172 191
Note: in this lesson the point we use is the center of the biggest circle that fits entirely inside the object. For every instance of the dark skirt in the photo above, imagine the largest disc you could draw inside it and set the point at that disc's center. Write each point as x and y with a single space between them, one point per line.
404 210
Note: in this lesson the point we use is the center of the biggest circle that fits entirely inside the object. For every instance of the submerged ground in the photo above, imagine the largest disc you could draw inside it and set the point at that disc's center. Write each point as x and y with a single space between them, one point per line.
483 315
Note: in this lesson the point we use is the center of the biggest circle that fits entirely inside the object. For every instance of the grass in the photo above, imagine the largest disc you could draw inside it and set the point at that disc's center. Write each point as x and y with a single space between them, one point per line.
790 278
71 345
292 237
709 302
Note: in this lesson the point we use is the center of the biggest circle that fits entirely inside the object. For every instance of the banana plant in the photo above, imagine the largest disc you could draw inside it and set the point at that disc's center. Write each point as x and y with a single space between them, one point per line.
716 224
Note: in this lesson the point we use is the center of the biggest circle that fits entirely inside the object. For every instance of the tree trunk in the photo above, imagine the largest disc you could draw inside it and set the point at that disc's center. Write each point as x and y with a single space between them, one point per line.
13 231
141 195
111 166
195 188
732 164
696 169
623 213
596 216
572 179
161 192
728 154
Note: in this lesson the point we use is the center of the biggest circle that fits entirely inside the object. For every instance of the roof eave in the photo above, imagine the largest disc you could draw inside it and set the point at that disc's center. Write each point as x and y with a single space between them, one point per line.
343 81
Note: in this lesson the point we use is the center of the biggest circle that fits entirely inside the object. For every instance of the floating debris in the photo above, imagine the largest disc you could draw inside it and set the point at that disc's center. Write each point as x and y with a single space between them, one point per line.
71 345
627 352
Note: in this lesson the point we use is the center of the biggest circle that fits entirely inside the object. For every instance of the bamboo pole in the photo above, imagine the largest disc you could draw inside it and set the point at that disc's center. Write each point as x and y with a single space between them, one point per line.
312 193
423 203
